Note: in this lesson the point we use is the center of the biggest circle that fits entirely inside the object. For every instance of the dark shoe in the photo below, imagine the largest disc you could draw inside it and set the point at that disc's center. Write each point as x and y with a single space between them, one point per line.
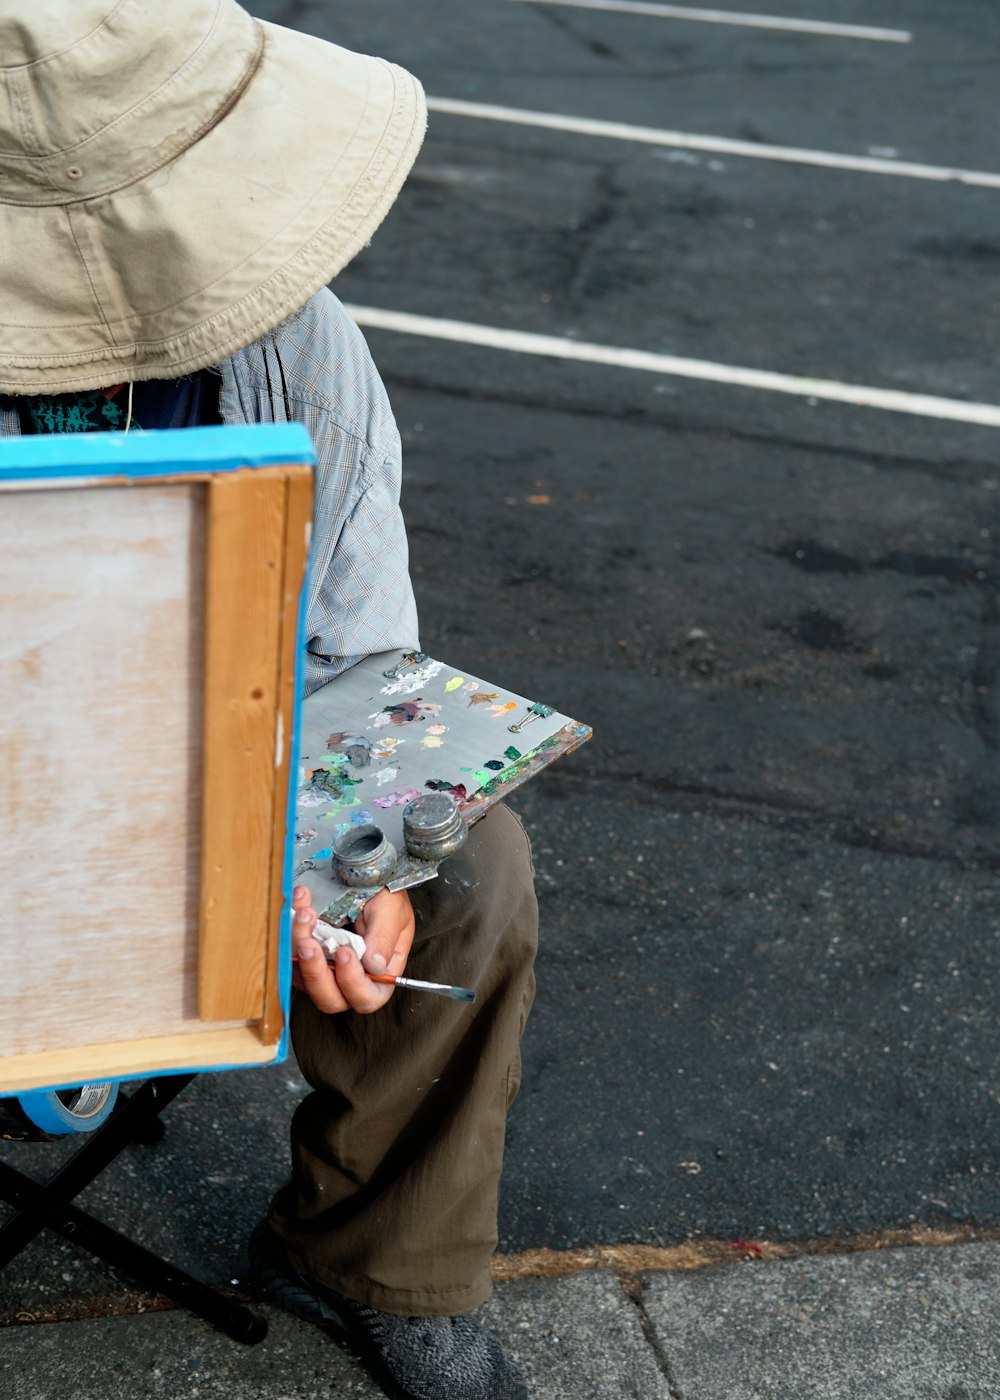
412 1358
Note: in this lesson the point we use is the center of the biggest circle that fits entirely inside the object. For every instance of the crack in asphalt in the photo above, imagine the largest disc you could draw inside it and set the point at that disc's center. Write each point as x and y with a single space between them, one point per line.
578 245
575 32
985 677
632 1287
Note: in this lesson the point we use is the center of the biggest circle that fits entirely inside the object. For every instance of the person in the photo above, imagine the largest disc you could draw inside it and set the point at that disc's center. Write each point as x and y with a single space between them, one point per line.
178 184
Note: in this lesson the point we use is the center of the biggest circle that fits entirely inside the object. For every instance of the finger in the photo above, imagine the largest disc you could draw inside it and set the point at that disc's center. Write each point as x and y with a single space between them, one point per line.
360 993
304 917
398 960
302 899
314 975
386 924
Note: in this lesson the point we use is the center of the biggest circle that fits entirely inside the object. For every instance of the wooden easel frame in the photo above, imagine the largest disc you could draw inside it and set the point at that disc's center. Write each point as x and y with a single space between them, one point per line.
258 512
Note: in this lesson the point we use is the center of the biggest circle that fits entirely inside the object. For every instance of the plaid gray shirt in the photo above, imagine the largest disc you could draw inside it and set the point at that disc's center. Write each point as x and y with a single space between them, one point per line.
315 369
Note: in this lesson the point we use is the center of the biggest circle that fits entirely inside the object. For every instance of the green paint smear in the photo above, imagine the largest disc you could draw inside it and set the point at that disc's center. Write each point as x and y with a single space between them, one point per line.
339 806
509 775
331 761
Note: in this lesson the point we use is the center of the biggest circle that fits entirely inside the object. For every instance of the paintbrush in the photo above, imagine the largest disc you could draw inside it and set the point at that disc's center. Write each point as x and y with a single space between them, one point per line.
440 989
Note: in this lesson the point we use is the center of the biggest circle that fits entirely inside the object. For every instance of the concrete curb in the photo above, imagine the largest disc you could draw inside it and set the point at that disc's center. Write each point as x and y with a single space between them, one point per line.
886 1324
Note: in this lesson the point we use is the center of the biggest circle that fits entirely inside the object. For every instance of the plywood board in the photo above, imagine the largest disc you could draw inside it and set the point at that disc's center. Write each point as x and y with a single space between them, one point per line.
102 756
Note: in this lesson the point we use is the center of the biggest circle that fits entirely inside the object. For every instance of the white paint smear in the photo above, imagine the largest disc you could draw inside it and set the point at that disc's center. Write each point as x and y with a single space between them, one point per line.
557 347
746 21
692 141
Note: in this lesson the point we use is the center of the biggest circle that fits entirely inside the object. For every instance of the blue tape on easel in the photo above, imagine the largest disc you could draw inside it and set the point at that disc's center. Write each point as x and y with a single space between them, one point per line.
93 1106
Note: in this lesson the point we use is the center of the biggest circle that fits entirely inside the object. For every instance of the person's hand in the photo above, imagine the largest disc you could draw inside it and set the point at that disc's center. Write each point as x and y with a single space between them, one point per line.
386 924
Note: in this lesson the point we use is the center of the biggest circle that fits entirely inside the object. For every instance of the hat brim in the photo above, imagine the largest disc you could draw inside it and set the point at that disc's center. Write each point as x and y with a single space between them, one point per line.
184 267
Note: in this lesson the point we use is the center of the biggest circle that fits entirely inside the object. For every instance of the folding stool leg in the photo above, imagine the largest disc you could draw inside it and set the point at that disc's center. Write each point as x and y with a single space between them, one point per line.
47 1206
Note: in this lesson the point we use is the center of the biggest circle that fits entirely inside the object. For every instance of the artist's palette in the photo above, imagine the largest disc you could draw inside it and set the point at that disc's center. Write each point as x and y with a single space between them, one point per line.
372 741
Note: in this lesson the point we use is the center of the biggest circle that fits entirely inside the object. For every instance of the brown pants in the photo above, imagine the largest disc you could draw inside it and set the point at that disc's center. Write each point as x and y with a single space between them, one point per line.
396 1154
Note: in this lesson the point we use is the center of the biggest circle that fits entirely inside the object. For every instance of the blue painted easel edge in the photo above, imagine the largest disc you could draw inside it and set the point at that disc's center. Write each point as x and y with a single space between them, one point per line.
69 456
287 877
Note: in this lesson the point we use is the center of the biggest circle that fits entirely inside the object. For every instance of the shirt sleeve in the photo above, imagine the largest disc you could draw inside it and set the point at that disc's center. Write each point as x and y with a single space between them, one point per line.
315 369
360 595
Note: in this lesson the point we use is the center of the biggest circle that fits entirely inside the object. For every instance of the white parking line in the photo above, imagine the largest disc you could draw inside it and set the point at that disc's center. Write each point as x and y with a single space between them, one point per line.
794 26
557 347
721 145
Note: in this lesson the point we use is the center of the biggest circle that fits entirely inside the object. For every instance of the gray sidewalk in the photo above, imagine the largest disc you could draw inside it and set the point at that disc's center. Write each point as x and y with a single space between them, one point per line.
919 1323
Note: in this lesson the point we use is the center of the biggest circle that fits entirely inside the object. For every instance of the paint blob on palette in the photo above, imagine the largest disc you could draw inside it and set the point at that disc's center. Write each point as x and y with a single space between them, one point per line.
399 725
417 677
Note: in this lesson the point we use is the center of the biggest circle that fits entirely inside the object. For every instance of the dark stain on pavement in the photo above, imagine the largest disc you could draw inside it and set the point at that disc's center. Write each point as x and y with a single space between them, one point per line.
814 558
817 629
964 250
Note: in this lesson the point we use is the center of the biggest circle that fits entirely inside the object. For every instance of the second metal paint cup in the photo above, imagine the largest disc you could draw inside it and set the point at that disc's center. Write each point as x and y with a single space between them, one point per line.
433 826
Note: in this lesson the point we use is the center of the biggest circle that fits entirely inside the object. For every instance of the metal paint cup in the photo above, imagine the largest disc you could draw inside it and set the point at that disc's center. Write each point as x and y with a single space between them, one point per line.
433 826
363 857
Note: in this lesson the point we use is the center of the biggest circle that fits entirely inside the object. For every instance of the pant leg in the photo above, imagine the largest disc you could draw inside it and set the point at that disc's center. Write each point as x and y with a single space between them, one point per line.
396 1153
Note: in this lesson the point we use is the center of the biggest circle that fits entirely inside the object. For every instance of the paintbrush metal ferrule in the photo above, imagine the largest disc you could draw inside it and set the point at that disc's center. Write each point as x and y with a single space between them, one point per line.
441 989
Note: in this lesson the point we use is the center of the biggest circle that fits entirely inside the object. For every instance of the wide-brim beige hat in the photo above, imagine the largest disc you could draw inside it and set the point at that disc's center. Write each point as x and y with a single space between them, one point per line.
177 178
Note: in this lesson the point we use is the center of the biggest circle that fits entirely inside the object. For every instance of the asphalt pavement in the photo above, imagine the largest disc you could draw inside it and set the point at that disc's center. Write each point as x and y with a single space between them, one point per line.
769 982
